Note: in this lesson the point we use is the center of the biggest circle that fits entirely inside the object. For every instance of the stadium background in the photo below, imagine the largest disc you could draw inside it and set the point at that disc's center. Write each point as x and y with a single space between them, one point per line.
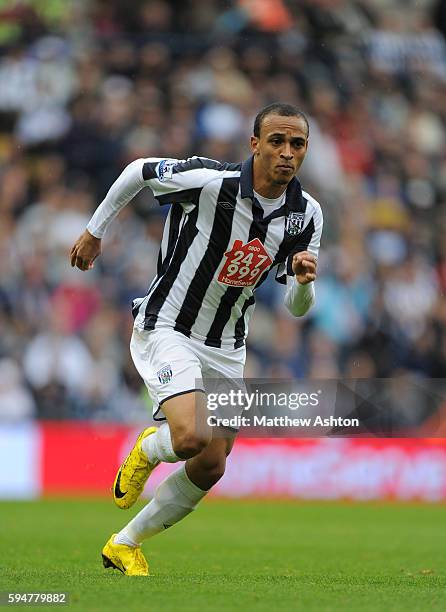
88 86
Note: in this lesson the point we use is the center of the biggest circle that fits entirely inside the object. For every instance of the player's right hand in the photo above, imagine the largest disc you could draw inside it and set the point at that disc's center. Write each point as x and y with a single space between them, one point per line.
85 251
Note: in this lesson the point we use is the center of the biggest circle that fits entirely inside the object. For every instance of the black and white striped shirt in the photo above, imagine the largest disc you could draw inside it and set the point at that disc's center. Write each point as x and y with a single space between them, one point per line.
218 243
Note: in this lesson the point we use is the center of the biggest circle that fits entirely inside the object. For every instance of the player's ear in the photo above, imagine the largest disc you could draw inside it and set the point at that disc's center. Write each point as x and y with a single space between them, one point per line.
254 144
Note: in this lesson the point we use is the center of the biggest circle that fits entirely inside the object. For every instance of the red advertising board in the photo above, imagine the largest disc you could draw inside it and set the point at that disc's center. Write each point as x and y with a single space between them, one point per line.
82 459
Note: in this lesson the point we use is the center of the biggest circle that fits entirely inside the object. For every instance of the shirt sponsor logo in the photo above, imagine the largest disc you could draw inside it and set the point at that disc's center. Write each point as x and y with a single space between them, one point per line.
165 374
245 263
165 169
294 223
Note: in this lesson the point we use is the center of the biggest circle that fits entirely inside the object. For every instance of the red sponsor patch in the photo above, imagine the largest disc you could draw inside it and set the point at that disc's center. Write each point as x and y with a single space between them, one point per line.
245 263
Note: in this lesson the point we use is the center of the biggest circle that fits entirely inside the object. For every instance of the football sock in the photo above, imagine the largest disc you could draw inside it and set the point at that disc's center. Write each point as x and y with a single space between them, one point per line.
158 446
121 538
174 499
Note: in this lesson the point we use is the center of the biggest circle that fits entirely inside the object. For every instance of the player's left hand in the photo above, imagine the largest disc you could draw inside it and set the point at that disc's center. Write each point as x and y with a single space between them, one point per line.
304 267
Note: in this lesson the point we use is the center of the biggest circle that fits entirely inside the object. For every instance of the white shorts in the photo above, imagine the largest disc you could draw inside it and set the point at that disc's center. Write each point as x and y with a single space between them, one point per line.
172 364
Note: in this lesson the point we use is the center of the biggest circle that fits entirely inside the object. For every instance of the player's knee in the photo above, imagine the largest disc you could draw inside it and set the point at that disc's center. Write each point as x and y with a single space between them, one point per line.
188 444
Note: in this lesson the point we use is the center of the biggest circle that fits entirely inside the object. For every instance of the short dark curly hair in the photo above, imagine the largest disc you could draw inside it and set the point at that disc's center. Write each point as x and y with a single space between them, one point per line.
281 109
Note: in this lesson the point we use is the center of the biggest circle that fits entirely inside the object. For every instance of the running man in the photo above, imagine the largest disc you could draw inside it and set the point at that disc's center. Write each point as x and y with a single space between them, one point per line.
228 225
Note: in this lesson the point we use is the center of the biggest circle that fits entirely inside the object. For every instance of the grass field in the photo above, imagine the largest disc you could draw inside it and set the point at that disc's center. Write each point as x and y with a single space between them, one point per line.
234 555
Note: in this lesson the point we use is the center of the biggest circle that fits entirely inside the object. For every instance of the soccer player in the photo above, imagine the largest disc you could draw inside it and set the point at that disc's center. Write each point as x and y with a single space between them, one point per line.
228 225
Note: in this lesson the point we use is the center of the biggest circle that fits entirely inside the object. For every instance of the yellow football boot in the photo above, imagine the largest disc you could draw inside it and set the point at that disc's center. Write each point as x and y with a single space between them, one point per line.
133 473
127 559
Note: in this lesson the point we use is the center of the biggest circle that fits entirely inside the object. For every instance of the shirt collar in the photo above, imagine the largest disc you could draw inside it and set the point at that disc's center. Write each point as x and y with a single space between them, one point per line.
293 200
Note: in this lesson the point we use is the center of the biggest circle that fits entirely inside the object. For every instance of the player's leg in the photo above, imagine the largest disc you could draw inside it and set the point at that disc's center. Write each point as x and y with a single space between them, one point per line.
172 372
179 494
184 435
206 468
187 433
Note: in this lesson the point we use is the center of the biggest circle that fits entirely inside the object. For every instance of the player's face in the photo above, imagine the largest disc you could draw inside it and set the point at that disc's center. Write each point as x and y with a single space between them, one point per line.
280 149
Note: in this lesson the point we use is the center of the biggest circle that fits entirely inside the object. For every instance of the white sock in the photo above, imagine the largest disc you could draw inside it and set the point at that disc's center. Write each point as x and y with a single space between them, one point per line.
158 446
174 499
121 538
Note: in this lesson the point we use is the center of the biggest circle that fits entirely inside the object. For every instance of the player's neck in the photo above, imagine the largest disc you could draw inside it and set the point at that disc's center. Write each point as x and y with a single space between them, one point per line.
268 190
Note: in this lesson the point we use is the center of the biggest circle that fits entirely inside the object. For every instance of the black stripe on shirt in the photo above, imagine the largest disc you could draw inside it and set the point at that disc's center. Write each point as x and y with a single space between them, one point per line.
203 163
239 332
258 229
176 214
218 244
196 163
160 293
287 245
159 264
183 196
304 240
281 255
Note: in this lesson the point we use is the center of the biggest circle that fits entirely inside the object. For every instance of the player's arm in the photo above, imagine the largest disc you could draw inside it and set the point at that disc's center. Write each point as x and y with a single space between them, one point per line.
179 180
88 246
170 180
300 294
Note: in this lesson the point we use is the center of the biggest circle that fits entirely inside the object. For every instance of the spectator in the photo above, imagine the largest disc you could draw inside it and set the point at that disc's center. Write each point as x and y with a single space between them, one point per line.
87 87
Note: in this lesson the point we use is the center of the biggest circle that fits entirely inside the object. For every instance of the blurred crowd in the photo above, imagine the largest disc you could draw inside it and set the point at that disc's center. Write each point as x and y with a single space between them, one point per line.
88 86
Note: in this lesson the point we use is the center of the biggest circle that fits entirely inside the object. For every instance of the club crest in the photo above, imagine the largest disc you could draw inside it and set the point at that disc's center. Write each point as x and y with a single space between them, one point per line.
294 223
165 374
165 169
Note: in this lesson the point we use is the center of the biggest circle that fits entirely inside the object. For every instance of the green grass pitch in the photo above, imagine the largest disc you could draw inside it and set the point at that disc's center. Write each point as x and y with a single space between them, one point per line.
234 555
